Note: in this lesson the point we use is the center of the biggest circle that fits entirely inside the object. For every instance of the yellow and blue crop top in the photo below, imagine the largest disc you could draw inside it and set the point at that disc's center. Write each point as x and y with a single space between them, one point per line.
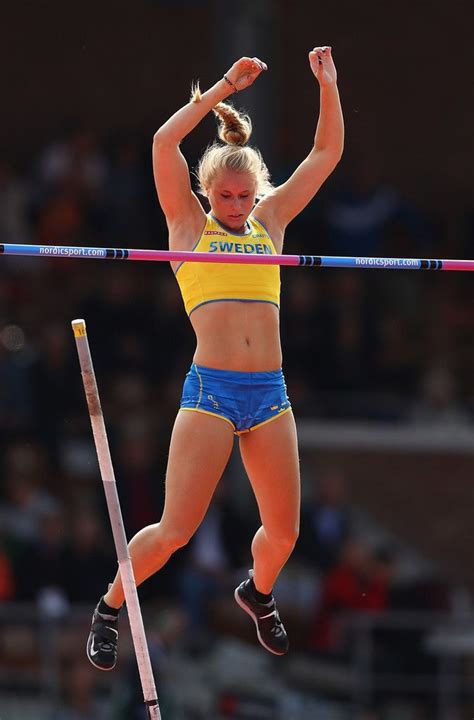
202 282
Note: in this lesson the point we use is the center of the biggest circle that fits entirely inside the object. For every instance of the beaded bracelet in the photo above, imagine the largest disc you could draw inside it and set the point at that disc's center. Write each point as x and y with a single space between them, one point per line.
229 82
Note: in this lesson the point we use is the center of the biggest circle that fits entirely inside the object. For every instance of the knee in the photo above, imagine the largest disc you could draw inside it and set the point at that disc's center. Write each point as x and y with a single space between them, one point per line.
173 539
285 538
291 538
178 540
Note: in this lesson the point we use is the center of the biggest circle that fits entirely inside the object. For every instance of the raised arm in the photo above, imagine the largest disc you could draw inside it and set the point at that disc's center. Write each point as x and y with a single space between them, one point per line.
286 201
170 169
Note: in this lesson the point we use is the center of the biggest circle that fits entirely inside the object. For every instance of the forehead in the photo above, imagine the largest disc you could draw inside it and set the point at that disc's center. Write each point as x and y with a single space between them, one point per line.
235 182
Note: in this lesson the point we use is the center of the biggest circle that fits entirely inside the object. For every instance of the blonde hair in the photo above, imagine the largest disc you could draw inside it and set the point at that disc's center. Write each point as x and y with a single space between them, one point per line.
232 153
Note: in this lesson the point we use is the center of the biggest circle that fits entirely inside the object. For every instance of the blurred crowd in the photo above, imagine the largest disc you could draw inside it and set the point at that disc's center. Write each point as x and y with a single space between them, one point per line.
390 346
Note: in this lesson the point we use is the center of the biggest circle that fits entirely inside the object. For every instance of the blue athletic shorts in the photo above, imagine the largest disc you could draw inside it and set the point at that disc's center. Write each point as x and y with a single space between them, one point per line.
245 399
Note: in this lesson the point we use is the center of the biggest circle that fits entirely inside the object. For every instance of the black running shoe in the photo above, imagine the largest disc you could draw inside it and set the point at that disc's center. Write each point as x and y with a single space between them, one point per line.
270 630
102 641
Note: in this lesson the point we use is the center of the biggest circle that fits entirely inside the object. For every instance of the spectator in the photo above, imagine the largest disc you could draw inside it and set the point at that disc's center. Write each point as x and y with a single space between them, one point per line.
164 633
439 401
124 207
7 578
325 521
349 322
16 401
360 582
304 307
78 158
364 211
14 227
60 220
80 700
88 556
53 372
139 467
218 548
40 568
23 507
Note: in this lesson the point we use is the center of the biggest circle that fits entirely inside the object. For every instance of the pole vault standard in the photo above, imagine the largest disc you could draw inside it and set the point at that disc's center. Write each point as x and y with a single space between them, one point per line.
116 521
240 257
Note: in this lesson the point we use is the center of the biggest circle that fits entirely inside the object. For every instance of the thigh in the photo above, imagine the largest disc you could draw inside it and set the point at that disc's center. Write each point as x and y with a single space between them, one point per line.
199 450
270 457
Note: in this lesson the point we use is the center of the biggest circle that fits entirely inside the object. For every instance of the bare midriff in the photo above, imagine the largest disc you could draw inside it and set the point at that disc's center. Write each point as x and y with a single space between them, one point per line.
236 335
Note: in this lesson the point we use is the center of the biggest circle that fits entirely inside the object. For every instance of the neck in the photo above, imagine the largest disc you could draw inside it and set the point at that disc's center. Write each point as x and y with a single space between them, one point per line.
240 230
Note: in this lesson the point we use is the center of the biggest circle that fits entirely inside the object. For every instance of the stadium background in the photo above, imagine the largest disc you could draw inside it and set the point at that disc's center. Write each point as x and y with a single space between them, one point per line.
378 364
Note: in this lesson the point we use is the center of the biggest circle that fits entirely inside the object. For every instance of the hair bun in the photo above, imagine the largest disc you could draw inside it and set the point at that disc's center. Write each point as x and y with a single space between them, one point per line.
233 128
233 135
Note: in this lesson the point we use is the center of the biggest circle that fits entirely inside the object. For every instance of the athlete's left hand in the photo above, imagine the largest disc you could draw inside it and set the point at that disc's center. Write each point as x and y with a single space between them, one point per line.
323 66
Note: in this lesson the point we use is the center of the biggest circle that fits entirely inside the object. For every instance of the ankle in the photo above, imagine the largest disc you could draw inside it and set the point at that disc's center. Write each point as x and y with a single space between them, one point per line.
263 598
105 609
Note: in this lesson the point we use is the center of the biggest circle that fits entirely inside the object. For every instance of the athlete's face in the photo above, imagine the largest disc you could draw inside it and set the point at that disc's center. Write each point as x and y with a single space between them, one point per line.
232 197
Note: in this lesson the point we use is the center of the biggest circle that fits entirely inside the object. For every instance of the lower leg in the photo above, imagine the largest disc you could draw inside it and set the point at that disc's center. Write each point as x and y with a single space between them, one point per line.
149 551
269 557
199 450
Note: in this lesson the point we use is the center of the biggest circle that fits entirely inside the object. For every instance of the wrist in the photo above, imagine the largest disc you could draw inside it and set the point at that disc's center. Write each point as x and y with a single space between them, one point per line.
217 93
230 83
328 85
225 90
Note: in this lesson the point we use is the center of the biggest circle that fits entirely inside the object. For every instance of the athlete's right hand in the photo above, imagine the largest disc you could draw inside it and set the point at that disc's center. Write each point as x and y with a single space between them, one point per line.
245 71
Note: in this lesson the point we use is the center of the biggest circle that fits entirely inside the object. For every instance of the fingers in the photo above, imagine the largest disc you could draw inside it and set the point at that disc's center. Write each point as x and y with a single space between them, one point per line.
322 65
253 65
245 71
321 53
260 63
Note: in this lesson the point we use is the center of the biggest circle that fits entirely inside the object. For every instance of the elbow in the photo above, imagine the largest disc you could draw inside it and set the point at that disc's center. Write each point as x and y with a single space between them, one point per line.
335 153
158 137
329 158
163 138
335 156
338 155
331 150
341 149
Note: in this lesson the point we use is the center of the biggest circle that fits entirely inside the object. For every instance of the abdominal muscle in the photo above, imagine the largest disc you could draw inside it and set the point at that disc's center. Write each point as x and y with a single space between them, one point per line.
235 335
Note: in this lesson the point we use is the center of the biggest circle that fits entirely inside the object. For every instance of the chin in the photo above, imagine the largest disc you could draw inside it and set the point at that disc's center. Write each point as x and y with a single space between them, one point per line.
236 222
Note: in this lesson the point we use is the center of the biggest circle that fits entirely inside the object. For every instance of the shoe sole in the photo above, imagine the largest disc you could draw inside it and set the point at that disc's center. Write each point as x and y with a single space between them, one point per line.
99 667
245 607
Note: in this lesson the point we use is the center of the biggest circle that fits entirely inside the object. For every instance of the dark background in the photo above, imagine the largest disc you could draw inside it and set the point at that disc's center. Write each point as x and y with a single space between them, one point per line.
404 76
386 356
